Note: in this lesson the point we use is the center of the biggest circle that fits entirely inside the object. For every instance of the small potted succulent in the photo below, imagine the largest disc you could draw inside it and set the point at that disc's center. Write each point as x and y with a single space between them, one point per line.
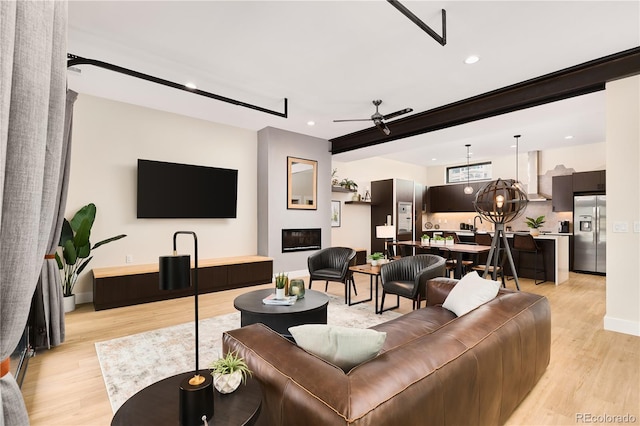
281 283
375 258
449 241
535 225
438 240
424 240
228 372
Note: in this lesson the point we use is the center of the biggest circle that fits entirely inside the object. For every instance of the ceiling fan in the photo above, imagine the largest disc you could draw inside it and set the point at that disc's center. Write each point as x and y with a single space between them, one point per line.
379 119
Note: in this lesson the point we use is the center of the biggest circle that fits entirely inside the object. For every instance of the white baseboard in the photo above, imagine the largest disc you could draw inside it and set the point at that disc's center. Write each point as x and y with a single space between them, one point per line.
622 326
84 298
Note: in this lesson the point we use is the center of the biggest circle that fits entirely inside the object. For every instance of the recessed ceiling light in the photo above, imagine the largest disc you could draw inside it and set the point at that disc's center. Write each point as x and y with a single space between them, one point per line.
471 59
190 85
568 137
311 123
433 159
512 146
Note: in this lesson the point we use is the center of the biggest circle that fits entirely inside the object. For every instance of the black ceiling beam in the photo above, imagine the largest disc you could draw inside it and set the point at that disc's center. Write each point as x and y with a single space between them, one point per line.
578 80
413 18
74 60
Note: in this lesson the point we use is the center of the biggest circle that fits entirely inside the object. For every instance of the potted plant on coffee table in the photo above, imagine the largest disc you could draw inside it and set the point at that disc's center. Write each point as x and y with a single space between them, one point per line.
535 225
76 250
228 372
375 258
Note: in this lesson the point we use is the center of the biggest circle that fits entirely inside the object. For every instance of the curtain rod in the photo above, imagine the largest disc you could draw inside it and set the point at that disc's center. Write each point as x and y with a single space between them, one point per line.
73 60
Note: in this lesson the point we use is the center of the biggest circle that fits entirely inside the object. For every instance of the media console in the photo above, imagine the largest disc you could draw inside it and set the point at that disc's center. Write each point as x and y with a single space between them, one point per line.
119 286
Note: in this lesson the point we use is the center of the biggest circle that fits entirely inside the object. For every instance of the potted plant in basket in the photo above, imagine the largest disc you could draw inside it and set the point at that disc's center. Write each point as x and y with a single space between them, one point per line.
76 250
535 225
228 372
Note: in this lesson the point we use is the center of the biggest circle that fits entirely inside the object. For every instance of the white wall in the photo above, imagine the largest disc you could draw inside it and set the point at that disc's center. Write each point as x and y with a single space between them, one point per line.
623 205
108 139
355 226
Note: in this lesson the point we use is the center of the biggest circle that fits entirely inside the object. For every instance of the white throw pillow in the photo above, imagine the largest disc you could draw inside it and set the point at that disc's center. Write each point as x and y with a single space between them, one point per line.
469 293
342 346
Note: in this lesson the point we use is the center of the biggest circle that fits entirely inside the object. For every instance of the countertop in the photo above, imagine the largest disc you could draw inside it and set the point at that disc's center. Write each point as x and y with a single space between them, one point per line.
542 235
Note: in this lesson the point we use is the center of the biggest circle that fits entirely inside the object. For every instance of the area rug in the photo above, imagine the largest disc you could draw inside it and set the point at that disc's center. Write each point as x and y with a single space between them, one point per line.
131 363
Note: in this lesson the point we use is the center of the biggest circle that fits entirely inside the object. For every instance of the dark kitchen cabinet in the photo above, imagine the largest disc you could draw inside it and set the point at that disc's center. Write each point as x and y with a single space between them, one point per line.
562 193
589 181
451 198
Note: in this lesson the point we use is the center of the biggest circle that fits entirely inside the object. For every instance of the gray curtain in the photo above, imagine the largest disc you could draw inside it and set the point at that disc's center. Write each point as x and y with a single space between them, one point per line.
47 306
32 103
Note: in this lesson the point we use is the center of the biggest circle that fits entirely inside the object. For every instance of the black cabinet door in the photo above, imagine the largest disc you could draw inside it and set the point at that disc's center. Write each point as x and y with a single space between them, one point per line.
589 181
562 193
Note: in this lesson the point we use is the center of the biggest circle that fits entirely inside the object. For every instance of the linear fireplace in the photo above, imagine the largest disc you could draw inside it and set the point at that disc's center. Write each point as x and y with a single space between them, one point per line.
301 239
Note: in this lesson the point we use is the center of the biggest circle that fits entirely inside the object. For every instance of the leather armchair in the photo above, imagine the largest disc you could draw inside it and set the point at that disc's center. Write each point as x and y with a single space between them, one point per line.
407 277
332 264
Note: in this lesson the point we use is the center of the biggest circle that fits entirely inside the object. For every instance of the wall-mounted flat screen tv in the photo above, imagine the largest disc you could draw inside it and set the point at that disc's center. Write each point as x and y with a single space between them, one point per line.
184 191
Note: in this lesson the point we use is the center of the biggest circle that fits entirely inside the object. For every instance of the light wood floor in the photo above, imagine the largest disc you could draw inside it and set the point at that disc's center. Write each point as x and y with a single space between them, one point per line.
592 371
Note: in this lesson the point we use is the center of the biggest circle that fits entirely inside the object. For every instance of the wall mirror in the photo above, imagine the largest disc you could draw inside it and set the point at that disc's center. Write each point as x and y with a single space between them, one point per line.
302 183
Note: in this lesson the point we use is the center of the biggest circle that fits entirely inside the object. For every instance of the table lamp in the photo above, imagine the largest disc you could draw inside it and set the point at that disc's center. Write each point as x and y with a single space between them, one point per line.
500 201
196 393
387 232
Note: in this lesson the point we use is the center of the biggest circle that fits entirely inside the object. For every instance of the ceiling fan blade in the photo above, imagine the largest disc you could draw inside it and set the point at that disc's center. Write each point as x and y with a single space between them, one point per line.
355 119
397 113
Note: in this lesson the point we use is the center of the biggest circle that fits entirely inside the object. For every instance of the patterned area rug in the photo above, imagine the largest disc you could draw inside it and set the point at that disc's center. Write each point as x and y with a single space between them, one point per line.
131 363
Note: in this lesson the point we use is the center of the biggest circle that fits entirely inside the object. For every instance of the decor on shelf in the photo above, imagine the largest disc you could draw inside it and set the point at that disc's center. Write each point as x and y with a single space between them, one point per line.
334 177
535 225
375 258
499 202
282 284
228 372
468 189
347 183
76 248
367 195
335 214
196 393
296 288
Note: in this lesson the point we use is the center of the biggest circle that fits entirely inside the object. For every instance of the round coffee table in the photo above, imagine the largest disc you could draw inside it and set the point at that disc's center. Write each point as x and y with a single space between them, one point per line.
312 309
158 404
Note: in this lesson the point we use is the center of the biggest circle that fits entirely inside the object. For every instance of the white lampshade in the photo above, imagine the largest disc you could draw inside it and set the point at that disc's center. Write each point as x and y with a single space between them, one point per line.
385 231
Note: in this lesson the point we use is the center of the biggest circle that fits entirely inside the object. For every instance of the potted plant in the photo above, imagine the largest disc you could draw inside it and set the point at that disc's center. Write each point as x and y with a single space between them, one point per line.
438 239
449 241
281 283
375 258
76 250
228 372
535 224
347 183
334 177
424 239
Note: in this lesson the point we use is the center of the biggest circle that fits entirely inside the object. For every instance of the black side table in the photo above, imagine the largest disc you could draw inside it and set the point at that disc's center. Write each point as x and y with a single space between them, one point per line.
157 404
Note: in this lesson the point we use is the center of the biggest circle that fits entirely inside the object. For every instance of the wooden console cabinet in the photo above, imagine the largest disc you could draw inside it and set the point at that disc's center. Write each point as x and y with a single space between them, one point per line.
131 285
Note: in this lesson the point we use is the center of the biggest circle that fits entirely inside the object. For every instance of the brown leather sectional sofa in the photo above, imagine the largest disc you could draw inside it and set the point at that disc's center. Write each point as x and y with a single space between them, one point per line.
434 368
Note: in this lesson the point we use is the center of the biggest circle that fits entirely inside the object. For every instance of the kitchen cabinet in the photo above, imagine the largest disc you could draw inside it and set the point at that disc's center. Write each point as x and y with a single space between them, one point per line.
451 198
589 181
562 193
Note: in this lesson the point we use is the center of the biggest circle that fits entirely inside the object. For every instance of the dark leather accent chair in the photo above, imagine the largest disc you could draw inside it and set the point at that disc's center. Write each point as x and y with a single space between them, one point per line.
408 276
332 264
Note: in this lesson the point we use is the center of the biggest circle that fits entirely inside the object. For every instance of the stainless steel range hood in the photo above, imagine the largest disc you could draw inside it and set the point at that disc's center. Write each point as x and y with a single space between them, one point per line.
532 172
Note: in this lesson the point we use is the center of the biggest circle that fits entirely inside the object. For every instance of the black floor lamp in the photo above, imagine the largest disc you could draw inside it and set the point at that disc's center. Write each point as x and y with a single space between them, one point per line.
196 393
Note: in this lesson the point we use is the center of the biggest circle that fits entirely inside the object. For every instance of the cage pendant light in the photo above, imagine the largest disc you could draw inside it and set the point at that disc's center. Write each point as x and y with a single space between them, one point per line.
468 189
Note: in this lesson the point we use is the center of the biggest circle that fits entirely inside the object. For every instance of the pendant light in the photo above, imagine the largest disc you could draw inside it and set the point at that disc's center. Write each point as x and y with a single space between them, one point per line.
517 182
468 189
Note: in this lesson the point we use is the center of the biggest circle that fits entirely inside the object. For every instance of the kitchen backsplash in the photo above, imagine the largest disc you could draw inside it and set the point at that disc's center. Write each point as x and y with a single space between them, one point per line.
453 220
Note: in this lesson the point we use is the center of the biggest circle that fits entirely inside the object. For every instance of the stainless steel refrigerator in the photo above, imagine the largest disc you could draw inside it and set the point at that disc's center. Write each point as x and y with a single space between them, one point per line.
590 233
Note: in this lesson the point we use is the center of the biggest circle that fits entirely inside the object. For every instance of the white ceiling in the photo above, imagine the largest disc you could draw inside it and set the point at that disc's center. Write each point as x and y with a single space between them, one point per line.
332 58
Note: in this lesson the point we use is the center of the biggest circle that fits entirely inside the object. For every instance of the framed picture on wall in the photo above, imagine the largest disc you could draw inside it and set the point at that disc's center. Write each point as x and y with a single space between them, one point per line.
335 213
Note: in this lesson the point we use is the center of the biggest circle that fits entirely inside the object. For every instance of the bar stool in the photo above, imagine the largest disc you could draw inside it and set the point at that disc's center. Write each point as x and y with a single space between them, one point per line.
525 243
481 267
